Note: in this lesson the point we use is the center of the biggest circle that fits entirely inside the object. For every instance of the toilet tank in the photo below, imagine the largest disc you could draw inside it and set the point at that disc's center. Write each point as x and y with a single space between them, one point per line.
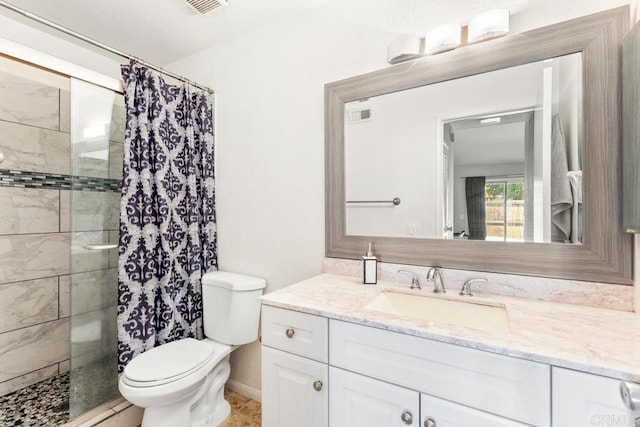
230 306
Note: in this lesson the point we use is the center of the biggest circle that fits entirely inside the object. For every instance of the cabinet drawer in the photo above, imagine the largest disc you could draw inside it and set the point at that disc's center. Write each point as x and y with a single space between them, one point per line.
449 414
358 401
506 386
582 399
295 332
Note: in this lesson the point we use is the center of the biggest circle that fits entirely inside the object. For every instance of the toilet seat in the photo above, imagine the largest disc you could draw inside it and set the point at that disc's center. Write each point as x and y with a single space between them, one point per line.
172 362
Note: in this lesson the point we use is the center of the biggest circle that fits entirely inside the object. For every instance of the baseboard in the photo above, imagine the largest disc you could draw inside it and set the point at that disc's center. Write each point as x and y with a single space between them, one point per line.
248 391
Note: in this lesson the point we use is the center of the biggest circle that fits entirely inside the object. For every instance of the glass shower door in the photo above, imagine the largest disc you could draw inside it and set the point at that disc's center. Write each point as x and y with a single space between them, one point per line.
97 136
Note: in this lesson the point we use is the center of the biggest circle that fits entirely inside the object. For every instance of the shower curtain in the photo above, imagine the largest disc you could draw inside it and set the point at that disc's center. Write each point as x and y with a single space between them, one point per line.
167 212
476 215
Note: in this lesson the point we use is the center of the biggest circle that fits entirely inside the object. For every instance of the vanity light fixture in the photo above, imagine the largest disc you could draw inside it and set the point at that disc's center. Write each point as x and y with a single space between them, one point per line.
489 24
443 38
404 48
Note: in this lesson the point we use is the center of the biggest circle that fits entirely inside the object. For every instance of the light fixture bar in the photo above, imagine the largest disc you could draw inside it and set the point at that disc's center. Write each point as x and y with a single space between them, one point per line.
491 120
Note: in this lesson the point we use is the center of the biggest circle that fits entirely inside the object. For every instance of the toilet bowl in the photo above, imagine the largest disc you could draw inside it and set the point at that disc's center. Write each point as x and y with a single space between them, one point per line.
182 383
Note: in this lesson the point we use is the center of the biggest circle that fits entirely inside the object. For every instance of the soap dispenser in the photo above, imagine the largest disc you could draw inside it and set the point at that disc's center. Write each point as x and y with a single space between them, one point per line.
369 268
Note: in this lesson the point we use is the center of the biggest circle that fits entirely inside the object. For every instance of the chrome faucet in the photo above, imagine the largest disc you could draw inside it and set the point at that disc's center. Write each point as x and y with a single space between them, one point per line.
434 275
415 281
466 288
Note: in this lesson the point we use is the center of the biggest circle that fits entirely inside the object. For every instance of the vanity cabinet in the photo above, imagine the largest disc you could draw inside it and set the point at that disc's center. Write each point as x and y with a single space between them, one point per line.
318 372
581 399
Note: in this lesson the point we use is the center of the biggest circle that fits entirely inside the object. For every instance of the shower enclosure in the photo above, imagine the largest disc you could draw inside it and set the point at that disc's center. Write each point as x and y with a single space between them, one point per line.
62 144
97 137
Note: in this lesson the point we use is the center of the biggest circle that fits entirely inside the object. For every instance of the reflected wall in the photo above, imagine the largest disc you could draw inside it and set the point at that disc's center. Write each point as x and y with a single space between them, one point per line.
408 154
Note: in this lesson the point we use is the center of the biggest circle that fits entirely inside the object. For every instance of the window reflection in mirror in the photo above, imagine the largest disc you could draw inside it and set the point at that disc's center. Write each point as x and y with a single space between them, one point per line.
504 207
494 157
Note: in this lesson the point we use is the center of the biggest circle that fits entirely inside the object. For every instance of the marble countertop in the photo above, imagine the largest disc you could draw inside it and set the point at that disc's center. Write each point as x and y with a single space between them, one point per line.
596 340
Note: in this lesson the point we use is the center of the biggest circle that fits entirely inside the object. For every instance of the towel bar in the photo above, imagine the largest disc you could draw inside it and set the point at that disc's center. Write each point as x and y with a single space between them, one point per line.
395 201
100 247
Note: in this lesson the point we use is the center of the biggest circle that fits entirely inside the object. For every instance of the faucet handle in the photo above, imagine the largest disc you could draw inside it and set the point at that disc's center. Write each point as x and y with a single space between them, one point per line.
415 281
466 288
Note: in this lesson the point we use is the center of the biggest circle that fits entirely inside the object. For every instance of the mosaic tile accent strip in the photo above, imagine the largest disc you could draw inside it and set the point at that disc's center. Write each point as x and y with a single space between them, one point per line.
43 404
23 179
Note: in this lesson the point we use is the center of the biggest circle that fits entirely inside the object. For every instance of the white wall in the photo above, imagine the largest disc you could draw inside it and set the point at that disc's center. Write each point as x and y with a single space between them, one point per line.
270 155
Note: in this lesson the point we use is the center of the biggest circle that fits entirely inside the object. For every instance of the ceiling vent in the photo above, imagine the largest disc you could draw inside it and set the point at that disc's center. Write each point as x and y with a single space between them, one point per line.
206 6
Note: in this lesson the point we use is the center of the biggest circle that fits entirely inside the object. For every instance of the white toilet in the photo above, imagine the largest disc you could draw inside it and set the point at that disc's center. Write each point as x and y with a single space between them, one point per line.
182 383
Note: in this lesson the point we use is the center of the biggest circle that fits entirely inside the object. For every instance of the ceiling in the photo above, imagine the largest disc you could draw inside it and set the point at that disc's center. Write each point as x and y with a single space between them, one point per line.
490 144
163 31
160 31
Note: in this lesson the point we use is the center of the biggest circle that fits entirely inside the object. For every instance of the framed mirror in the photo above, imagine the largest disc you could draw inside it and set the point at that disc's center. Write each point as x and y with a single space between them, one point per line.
502 156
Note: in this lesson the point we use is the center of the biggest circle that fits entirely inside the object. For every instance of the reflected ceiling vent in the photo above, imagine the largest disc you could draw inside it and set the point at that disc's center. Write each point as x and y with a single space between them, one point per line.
206 6
358 111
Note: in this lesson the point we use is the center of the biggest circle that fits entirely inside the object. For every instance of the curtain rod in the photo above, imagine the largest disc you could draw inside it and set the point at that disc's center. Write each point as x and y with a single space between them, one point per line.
102 46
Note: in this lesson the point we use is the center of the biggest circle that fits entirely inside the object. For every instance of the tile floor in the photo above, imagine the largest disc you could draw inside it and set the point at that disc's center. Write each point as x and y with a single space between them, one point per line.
244 411
93 384
45 404
26 407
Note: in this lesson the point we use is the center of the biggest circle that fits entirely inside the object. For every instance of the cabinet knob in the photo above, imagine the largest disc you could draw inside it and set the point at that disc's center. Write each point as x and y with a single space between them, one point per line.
429 422
630 395
317 385
407 417
290 333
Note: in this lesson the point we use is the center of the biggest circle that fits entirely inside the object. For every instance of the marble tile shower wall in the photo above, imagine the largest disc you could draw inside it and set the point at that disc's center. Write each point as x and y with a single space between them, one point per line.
37 234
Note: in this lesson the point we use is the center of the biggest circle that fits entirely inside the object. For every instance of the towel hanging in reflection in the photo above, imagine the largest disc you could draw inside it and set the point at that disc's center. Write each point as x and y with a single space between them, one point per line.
561 196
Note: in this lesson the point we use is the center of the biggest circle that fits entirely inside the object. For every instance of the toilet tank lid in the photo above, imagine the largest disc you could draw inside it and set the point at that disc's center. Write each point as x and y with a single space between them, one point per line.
233 281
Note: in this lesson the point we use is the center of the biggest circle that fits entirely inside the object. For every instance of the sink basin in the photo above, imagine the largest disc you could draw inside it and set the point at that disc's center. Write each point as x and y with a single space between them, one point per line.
439 310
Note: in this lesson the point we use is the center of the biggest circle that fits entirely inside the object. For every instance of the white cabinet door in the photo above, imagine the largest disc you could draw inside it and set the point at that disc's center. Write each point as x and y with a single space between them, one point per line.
294 390
358 401
512 388
581 399
442 413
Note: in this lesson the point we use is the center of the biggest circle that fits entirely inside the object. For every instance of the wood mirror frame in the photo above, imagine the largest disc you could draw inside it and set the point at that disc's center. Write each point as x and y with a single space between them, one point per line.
606 253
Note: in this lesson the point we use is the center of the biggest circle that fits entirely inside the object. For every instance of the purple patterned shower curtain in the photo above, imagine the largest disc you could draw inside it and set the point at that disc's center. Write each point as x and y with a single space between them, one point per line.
167 212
